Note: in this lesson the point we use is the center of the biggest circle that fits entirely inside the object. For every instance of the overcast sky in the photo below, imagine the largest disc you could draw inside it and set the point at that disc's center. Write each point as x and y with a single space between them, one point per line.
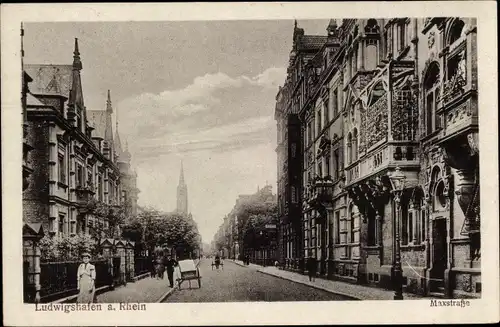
201 92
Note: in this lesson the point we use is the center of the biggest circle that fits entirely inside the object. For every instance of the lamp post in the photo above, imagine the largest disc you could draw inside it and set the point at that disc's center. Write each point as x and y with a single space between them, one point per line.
398 184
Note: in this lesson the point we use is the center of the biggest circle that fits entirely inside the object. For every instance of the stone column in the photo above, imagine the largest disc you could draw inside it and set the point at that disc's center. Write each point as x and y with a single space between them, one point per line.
31 263
120 251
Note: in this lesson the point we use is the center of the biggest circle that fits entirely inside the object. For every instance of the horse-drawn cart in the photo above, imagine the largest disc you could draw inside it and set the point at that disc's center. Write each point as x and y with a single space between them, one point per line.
188 271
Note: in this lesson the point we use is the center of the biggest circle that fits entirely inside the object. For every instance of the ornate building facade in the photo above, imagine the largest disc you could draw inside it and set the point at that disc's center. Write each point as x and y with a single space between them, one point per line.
74 158
408 100
290 100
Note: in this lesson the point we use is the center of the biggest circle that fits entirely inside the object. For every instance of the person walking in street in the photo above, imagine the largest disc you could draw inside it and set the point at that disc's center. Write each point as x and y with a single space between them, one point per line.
170 265
160 267
86 276
311 268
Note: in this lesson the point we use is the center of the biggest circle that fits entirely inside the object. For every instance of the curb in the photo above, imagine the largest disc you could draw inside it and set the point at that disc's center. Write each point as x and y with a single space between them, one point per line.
167 294
71 298
313 286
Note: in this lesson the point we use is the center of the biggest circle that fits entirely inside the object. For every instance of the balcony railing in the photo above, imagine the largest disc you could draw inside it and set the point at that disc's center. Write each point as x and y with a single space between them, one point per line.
84 193
398 154
453 88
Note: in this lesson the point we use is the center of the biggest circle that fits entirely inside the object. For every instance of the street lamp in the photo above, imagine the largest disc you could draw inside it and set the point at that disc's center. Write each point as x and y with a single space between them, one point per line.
397 179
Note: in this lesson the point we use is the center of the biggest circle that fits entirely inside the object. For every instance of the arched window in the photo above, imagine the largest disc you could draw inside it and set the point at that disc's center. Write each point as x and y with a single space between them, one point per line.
457 30
432 93
372 32
355 145
372 27
349 148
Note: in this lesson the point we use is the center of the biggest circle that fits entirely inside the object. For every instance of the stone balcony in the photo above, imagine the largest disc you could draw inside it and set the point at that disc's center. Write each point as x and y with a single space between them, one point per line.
404 154
459 110
84 194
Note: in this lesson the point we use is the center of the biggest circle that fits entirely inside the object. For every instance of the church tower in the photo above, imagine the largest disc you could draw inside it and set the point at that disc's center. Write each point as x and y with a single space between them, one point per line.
182 194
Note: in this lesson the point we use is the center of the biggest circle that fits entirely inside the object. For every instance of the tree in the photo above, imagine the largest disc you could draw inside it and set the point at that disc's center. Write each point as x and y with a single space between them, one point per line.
115 217
156 229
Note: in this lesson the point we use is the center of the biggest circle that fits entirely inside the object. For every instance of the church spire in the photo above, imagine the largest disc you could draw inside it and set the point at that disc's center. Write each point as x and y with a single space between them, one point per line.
118 143
109 107
181 177
77 63
182 194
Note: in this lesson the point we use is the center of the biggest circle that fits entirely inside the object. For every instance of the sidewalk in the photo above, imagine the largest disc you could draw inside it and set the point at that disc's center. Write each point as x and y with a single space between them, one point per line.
147 290
355 291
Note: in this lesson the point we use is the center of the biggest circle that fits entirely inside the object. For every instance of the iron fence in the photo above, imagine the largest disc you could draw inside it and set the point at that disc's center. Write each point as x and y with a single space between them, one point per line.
118 275
59 279
142 265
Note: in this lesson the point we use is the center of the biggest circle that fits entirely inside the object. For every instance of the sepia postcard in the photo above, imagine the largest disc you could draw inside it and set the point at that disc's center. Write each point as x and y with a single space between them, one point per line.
250 163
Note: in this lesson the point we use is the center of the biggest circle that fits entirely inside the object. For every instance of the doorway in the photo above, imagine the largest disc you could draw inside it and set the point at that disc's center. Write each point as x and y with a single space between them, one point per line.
439 249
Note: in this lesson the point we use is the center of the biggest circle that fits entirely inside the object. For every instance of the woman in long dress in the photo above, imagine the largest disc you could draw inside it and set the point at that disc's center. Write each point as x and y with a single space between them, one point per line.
86 280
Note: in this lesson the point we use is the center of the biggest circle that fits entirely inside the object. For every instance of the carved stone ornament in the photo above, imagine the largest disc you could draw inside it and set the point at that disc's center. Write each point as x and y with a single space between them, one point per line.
431 39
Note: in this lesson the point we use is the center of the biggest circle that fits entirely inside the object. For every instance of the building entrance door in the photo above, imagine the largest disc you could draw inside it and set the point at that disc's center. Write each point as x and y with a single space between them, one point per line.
439 252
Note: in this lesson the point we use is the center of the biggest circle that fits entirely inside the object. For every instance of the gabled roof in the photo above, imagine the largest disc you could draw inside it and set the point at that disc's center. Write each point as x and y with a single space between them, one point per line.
312 42
31 100
97 119
50 79
33 229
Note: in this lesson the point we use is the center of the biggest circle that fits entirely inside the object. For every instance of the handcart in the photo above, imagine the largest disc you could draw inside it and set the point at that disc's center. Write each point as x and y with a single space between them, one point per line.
188 271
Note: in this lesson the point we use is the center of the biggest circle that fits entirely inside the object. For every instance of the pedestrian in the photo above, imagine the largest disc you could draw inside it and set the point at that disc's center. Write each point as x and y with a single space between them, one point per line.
160 267
86 276
311 268
153 268
170 265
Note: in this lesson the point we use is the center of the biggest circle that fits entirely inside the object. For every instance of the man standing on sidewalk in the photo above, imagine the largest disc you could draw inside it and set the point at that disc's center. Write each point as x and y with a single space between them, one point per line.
311 268
170 265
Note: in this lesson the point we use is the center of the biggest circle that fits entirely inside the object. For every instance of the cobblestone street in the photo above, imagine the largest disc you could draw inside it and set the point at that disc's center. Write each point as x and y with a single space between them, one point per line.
236 283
